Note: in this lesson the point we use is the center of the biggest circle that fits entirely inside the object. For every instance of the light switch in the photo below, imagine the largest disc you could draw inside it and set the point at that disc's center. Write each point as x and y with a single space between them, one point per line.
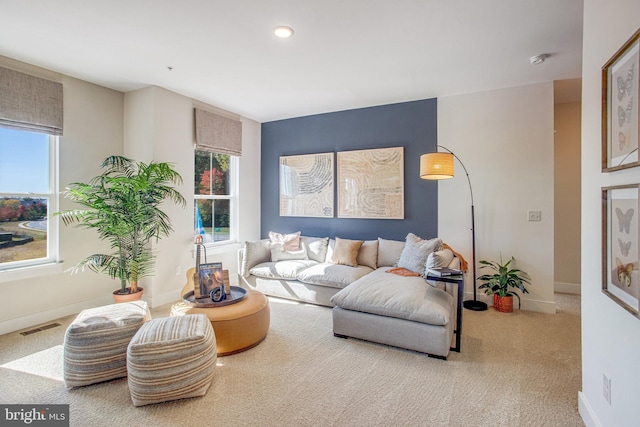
535 215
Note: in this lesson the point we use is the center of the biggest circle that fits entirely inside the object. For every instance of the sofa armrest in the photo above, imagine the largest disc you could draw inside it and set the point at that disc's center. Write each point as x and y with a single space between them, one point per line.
252 254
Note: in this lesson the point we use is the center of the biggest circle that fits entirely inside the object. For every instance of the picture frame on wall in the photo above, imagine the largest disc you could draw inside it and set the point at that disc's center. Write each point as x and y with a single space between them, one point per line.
620 109
620 240
371 183
306 185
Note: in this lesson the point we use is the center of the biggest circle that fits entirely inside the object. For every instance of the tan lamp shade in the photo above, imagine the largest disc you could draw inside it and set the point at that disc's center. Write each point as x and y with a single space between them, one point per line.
436 166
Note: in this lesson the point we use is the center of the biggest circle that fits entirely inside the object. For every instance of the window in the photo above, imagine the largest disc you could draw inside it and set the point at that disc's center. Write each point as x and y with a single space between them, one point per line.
28 188
215 196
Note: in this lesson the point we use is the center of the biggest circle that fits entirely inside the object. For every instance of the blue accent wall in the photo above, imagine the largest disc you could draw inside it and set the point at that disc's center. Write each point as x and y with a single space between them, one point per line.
412 125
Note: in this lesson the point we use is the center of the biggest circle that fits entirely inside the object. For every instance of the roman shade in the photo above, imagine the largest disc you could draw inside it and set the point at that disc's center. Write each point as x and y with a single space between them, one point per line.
218 134
30 103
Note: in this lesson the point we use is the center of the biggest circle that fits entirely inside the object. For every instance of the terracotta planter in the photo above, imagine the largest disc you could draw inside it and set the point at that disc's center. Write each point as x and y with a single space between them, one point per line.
128 297
503 304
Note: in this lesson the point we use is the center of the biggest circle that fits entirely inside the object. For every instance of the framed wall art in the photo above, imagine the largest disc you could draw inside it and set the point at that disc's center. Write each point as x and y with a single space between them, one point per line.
620 96
306 185
371 183
620 239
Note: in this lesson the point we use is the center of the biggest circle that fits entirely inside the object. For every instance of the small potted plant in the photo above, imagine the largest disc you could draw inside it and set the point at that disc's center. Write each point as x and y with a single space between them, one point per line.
122 205
499 282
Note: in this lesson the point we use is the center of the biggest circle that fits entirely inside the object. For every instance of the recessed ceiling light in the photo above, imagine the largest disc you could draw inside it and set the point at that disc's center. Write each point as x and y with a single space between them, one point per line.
283 32
538 59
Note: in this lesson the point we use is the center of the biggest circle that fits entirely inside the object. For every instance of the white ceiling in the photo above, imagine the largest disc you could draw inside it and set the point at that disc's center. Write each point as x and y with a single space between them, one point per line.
344 54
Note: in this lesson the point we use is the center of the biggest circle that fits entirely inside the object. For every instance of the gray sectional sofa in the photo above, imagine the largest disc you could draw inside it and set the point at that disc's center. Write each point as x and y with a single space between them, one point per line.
369 300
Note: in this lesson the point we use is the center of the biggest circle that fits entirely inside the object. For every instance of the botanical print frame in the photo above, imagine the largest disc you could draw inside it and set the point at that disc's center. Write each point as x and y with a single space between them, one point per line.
371 183
620 239
620 112
306 185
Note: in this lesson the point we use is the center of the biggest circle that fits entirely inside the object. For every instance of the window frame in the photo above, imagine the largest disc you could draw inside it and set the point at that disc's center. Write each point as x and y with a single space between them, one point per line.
41 266
234 166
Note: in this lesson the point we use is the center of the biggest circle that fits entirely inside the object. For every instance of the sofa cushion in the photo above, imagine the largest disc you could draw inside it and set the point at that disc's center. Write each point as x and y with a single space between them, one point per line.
368 254
346 252
332 275
291 242
281 269
389 252
280 253
254 253
390 295
416 251
316 247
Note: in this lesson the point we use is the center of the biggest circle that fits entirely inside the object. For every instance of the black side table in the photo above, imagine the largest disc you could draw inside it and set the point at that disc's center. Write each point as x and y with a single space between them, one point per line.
459 280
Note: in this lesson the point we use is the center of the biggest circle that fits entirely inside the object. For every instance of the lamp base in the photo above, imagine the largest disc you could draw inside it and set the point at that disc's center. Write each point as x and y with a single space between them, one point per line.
474 305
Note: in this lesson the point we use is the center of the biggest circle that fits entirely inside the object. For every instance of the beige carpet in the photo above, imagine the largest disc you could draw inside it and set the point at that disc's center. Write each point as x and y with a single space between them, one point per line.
520 369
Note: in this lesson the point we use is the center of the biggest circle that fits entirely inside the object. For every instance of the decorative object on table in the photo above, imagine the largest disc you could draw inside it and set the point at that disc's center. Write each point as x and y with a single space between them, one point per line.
371 183
233 294
211 277
620 97
122 205
306 185
193 274
444 272
438 166
620 239
499 282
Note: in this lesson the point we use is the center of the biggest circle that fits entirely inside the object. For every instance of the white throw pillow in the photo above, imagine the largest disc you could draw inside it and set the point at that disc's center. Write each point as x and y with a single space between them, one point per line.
416 251
291 241
316 247
278 253
440 259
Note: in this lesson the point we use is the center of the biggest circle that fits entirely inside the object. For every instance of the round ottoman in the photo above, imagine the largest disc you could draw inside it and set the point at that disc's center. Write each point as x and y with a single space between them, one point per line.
238 327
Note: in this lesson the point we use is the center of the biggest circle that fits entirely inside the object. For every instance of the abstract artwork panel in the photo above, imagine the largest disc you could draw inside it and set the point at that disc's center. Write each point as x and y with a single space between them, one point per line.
306 185
371 183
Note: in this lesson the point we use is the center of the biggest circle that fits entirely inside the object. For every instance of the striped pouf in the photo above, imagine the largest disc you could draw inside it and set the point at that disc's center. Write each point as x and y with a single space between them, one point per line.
95 344
171 358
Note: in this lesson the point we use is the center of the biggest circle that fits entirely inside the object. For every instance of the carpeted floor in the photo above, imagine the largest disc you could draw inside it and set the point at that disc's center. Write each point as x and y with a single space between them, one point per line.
520 369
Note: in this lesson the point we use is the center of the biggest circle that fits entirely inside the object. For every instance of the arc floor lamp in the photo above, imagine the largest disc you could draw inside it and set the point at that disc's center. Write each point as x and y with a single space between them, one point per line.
438 166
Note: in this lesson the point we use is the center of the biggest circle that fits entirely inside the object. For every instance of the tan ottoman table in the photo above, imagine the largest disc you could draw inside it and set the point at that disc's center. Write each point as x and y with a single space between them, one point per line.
239 326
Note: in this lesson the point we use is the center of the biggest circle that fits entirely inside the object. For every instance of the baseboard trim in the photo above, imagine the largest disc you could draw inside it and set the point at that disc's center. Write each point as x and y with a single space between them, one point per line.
584 409
548 307
34 319
568 288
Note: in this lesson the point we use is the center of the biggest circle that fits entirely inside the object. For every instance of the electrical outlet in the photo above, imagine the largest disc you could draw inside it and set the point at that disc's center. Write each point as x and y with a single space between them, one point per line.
606 388
535 215
178 270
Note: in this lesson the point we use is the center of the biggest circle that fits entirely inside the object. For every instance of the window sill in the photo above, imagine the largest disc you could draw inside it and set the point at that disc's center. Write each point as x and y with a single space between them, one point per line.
31 271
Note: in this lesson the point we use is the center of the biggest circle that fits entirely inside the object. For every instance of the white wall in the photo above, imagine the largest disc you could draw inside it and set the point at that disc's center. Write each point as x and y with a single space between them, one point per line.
162 122
610 334
567 197
92 130
505 140
149 124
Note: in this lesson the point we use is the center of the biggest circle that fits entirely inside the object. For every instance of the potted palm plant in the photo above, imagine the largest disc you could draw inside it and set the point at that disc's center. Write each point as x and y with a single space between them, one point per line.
499 282
122 205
